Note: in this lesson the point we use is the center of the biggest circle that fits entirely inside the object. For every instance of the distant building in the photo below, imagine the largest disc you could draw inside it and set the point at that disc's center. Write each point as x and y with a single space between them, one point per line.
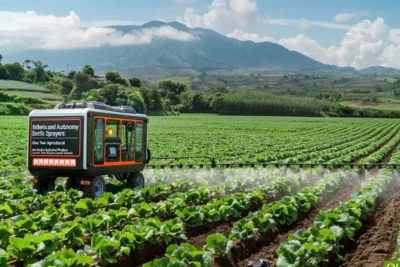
99 78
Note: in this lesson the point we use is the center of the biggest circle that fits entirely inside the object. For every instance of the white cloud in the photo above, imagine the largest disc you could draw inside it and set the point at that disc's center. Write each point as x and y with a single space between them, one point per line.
243 36
305 23
222 12
394 36
305 45
244 10
391 56
363 46
344 17
21 31
368 43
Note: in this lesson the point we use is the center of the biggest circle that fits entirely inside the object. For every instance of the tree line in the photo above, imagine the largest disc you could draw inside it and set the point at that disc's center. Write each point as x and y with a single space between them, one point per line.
168 97
84 85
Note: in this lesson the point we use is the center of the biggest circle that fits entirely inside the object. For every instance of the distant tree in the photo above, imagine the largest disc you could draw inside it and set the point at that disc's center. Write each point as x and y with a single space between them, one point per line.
80 78
88 70
217 102
15 71
67 86
39 70
1 58
3 73
71 74
135 82
29 76
115 78
146 97
156 103
110 93
337 98
112 76
54 87
171 86
82 85
93 83
26 64
199 103
173 98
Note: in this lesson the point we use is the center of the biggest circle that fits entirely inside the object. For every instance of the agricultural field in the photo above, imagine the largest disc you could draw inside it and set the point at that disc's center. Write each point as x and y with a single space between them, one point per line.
217 217
44 96
27 89
17 85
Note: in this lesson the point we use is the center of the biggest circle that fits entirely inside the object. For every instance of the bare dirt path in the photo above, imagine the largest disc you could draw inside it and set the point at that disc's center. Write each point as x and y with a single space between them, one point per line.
378 242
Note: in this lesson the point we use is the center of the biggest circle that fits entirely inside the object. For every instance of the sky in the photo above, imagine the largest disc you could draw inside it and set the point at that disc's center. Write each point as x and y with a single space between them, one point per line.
344 33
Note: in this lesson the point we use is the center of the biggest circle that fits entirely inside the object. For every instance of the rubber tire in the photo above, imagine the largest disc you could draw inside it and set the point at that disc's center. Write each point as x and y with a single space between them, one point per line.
132 179
45 185
148 156
89 191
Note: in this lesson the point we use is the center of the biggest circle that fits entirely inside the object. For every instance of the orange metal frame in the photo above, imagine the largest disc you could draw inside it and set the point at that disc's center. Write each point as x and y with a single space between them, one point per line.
55 155
119 163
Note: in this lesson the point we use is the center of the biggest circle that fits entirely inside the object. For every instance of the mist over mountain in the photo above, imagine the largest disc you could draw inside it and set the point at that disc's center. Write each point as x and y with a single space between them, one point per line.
206 51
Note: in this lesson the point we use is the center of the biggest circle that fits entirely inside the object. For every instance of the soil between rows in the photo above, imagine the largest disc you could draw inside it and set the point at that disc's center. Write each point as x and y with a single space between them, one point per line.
379 240
389 156
275 238
197 237
269 252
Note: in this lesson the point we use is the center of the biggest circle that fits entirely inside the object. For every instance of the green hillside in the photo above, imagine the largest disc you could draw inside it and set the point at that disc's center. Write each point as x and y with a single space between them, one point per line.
17 85
27 89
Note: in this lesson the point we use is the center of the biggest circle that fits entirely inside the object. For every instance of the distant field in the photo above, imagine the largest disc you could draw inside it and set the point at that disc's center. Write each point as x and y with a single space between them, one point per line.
395 105
277 84
45 96
16 85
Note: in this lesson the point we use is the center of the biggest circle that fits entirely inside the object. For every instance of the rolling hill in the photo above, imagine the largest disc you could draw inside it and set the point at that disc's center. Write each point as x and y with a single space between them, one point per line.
10 87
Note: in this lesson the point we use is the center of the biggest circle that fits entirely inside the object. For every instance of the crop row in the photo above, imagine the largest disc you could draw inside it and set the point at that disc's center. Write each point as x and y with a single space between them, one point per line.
282 212
325 239
119 226
86 210
16 198
379 155
318 147
362 149
326 154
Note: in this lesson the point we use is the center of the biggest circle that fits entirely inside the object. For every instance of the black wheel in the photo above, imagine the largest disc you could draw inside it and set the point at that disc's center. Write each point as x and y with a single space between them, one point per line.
96 188
45 185
135 181
148 156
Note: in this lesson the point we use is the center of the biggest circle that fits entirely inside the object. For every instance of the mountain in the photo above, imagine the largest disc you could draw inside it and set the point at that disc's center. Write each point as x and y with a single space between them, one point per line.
211 51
